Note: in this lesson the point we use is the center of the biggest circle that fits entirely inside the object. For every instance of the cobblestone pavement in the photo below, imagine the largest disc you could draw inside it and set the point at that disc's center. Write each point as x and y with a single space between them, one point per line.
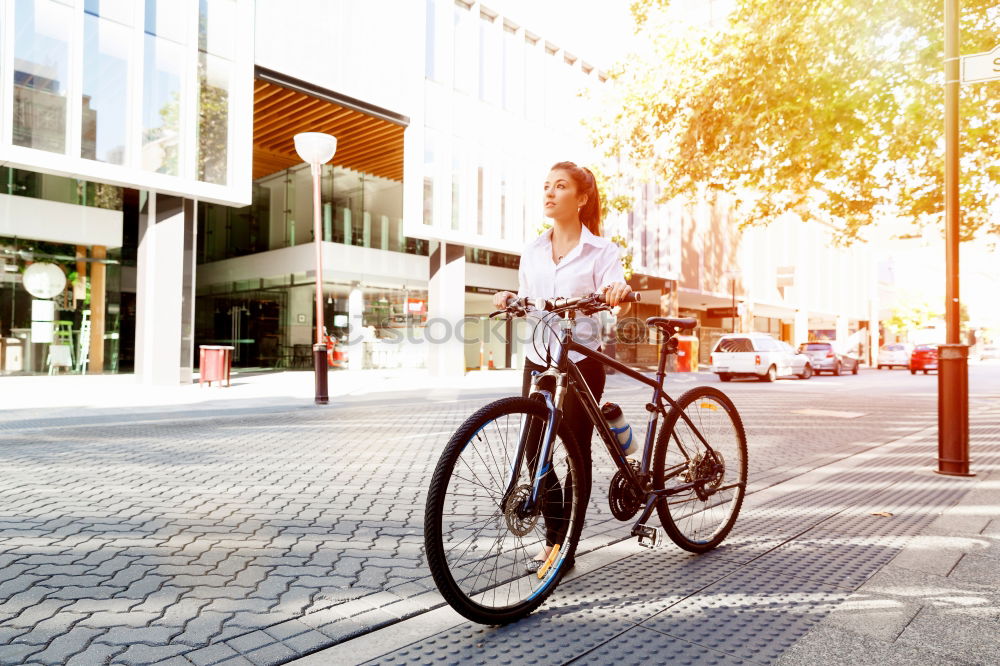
259 535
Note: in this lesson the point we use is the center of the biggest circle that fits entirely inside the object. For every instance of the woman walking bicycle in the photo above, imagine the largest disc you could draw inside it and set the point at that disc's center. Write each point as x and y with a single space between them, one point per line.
569 259
507 499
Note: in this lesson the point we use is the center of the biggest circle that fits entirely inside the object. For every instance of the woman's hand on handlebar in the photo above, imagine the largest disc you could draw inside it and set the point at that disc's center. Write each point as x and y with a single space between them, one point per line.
501 297
615 292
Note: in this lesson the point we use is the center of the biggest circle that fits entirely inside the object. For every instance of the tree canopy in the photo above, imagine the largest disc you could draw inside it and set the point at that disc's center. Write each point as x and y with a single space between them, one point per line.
830 109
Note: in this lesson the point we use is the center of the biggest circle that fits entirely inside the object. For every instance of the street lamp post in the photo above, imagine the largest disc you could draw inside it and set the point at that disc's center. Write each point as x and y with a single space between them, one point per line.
317 149
953 369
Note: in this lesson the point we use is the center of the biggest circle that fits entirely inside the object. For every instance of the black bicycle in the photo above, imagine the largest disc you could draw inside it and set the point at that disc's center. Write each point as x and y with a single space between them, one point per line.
508 488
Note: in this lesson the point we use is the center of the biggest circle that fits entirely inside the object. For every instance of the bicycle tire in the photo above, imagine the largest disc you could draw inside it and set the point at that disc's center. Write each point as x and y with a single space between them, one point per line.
479 565
695 524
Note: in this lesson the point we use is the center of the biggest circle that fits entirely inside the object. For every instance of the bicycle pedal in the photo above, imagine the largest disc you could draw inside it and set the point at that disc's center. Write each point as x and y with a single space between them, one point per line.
649 537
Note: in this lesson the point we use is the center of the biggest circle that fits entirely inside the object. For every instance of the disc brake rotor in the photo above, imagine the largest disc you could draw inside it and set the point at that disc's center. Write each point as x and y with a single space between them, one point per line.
518 523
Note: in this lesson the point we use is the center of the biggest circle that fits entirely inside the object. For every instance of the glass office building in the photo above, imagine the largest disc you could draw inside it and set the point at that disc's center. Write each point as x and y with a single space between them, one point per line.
104 106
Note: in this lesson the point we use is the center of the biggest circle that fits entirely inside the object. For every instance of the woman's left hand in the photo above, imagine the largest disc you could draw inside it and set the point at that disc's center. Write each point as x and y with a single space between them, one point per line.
615 292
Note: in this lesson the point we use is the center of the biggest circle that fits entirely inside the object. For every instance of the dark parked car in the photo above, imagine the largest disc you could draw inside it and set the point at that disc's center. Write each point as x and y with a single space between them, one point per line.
924 357
824 358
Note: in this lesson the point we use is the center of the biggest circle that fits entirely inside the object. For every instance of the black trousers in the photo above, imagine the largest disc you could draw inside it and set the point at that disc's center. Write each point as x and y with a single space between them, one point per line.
575 417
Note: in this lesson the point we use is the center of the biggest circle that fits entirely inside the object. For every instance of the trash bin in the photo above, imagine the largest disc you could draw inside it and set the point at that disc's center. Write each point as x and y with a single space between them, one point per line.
11 355
687 353
214 364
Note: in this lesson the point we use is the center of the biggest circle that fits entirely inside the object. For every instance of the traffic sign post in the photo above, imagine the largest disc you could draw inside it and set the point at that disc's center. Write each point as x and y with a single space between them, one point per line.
953 386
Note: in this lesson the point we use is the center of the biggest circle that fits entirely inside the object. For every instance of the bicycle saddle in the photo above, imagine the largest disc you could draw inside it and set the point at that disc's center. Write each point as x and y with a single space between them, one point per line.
672 324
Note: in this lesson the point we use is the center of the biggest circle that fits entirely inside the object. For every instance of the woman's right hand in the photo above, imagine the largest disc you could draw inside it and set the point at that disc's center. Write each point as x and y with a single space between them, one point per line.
501 297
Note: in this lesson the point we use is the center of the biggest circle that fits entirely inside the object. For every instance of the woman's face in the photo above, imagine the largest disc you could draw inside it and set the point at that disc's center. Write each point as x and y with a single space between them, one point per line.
560 199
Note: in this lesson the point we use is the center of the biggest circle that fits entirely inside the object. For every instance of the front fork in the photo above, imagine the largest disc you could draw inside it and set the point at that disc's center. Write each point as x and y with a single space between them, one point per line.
542 462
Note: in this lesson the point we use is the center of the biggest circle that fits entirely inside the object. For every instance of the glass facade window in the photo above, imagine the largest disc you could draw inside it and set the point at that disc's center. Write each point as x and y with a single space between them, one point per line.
214 74
430 43
163 59
107 31
492 258
430 167
480 182
41 73
142 87
490 81
513 67
215 65
464 49
358 209
59 188
533 76
456 190
504 203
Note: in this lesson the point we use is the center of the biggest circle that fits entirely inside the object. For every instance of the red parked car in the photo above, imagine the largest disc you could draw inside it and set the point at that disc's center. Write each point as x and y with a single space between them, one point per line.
924 357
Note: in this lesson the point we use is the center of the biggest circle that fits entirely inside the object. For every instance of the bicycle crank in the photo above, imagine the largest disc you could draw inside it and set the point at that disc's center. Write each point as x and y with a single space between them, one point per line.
622 497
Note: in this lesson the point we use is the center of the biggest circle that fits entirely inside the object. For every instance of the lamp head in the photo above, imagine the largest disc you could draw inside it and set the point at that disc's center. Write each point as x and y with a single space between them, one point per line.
315 147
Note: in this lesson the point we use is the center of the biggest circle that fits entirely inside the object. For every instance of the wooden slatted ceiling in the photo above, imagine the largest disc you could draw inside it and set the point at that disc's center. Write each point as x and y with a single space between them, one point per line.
364 143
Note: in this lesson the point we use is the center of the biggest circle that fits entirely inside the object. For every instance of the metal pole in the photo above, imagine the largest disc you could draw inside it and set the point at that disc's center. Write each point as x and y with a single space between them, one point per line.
953 384
319 349
733 313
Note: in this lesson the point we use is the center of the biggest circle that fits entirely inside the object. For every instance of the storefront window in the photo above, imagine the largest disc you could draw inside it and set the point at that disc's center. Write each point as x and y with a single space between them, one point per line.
41 73
107 34
56 335
272 325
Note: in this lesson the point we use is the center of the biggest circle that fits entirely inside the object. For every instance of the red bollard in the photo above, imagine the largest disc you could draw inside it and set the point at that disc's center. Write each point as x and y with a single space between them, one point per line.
953 410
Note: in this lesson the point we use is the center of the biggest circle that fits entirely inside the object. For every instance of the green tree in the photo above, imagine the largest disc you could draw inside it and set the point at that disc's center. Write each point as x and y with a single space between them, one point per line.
911 315
830 109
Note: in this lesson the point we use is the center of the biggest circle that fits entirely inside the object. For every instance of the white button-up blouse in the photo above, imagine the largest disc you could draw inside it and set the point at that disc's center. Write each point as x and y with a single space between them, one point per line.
593 264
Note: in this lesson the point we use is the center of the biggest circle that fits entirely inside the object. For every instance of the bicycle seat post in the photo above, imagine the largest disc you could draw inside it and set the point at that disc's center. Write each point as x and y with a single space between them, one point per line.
665 350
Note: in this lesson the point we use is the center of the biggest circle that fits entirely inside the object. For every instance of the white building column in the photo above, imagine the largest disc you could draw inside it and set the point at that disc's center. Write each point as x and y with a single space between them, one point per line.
445 311
800 327
840 326
357 334
165 272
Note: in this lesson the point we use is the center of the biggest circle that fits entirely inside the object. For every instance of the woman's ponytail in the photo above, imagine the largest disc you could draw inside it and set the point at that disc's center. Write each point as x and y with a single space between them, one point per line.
583 178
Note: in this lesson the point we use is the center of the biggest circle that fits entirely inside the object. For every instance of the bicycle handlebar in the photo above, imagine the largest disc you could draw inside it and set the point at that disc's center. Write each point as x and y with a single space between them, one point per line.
559 304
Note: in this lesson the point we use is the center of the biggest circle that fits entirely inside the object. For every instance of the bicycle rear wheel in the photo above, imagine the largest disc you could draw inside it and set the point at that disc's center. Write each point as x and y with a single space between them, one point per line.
695 521
480 541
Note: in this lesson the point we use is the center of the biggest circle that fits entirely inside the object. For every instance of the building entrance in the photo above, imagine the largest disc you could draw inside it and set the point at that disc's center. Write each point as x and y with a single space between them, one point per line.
251 322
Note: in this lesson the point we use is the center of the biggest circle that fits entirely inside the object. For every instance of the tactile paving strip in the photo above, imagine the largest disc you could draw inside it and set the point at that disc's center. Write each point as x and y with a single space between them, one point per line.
583 613
640 645
640 586
754 614
549 636
849 548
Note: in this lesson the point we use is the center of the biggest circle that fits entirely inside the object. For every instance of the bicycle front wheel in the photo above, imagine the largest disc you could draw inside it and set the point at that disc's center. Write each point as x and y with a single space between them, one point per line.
699 518
481 533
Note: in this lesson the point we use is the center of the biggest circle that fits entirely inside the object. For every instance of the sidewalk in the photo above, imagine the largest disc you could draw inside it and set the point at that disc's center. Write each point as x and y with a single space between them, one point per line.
66 395
871 560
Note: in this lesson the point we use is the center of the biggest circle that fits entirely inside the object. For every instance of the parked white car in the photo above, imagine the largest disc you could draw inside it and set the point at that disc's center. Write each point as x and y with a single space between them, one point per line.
757 355
891 355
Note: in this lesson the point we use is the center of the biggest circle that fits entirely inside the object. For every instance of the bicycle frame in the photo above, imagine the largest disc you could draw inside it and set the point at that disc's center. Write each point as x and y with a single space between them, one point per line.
569 378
